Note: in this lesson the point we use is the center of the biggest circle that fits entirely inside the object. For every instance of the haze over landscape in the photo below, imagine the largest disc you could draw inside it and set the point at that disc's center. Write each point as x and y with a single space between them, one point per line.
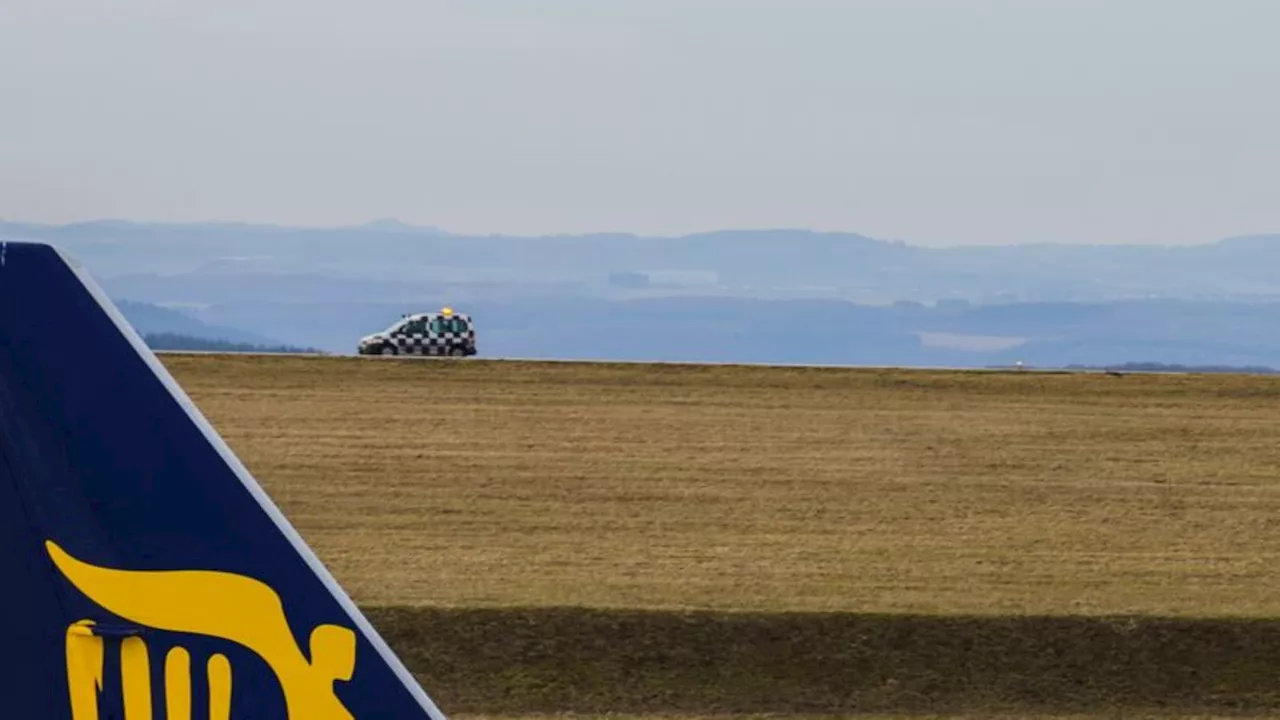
790 296
971 183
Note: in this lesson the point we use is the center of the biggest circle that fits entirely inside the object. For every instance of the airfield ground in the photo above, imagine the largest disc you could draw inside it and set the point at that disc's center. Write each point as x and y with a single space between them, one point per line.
592 538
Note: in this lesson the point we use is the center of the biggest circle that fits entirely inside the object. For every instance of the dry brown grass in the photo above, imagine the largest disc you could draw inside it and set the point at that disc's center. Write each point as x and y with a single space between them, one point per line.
1124 715
517 484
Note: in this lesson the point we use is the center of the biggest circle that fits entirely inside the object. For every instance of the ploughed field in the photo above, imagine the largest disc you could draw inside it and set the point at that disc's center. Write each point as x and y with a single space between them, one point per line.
547 537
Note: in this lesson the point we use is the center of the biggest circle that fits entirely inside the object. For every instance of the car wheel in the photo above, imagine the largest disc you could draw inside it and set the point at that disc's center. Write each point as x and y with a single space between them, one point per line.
388 350
457 352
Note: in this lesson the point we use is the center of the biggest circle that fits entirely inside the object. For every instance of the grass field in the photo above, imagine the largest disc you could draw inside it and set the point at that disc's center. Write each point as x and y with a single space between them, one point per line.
867 716
486 484
547 537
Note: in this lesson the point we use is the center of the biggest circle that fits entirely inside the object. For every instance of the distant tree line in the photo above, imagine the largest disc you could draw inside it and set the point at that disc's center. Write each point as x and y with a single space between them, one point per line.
177 341
1169 367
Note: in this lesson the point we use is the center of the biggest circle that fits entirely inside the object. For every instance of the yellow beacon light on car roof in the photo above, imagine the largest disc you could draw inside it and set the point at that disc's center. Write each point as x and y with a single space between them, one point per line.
447 311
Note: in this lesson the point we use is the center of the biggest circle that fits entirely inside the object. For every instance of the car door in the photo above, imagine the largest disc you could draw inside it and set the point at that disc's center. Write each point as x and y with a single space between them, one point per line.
415 340
439 330
460 330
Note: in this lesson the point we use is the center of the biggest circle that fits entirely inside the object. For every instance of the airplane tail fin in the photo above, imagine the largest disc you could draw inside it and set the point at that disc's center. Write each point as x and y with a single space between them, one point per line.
143 572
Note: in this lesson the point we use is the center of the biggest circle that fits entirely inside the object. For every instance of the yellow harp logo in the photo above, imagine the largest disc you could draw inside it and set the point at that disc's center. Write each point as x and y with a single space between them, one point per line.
237 609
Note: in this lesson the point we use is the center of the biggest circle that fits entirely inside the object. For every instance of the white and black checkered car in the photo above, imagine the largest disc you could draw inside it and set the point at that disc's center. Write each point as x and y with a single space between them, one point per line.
442 333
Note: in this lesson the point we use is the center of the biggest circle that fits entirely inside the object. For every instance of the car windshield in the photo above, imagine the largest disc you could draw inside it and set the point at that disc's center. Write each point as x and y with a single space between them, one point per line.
396 326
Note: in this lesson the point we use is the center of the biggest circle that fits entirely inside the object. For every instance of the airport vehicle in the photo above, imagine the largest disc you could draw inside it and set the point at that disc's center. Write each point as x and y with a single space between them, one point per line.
442 333
146 574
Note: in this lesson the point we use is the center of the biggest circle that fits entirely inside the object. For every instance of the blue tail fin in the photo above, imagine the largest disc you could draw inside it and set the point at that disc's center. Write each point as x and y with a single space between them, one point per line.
143 573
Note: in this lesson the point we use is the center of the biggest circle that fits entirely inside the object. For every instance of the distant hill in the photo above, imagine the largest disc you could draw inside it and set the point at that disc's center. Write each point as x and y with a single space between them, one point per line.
384 256
174 341
784 295
149 319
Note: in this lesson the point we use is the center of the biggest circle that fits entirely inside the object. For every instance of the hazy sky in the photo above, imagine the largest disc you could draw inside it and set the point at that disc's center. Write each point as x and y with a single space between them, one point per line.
937 122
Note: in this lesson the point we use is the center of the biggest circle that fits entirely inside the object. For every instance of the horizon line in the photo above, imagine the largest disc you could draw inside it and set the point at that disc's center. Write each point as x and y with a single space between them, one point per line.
391 224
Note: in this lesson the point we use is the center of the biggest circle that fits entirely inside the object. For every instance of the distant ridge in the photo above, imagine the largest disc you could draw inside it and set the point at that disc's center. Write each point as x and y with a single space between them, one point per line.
394 225
391 224
757 295
174 341
149 319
